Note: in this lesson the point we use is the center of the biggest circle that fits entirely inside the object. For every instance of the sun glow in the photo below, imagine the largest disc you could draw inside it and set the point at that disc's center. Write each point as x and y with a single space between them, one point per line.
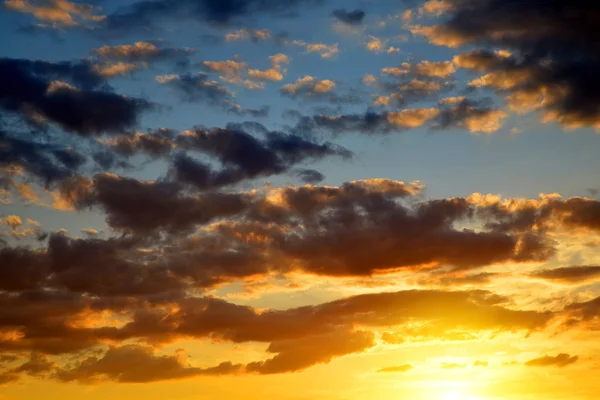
456 394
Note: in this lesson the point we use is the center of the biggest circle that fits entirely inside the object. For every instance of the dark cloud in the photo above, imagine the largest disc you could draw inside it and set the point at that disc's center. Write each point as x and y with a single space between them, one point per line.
49 163
155 144
299 354
570 275
261 112
555 53
244 156
149 13
355 17
170 209
42 92
346 239
136 364
198 88
561 360
310 176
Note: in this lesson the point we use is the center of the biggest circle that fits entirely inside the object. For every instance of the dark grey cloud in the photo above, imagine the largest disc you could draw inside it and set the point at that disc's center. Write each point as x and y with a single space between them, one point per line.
355 17
555 53
310 175
41 93
198 88
46 162
149 13
244 156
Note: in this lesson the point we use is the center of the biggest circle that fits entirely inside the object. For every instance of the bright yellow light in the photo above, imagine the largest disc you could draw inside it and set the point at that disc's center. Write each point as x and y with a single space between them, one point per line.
452 394
456 394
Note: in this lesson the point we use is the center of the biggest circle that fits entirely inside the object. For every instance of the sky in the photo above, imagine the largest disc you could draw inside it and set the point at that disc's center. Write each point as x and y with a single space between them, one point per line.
299 199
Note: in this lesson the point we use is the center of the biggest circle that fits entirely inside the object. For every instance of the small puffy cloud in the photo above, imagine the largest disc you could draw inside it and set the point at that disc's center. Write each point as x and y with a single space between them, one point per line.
198 88
442 69
279 59
114 70
273 74
412 118
14 221
255 35
308 86
471 115
375 44
239 73
231 71
324 50
59 13
435 7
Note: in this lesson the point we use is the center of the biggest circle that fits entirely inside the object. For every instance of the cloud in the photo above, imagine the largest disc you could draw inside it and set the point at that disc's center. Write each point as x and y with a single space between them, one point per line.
375 44
240 73
48 163
254 35
58 13
471 115
147 14
114 70
449 365
324 50
38 366
397 368
156 144
310 176
355 17
312 88
119 198
298 354
199 88
31 89
137 364
549 66
372 122
441 69
141 52
245 157
570 275
561 360
13 221
308 86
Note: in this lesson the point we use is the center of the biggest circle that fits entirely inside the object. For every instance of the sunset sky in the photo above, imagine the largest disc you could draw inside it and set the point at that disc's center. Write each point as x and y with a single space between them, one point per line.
299 199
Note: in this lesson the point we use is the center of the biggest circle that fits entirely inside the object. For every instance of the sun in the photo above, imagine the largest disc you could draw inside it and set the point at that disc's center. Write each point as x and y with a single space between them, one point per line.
456 394
453 394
